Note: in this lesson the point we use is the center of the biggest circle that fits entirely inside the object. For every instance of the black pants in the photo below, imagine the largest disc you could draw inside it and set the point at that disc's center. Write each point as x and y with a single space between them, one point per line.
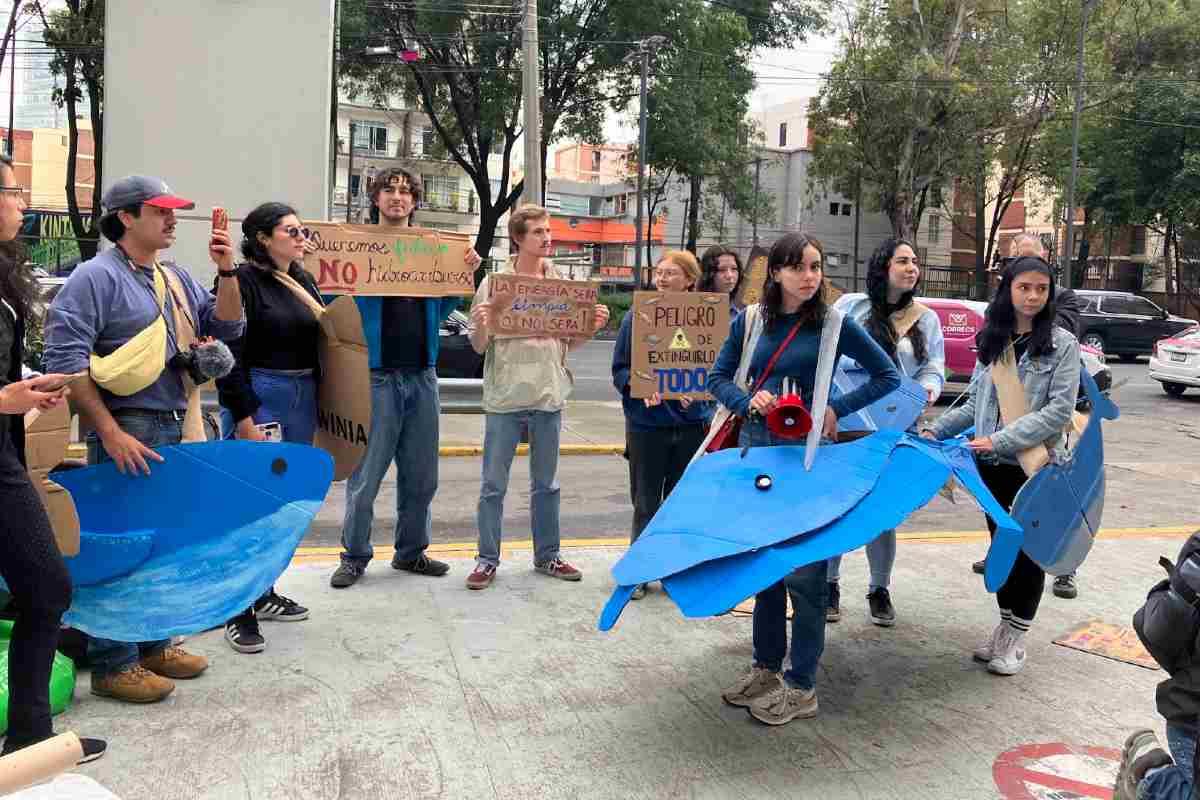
657 459
1022 592
41 590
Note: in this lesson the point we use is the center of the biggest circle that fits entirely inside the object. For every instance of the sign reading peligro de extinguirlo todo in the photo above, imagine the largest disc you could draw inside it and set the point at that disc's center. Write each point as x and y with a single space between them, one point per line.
676 339
374 260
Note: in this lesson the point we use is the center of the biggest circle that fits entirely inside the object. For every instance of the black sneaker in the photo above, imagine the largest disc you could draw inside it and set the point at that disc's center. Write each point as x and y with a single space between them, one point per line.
1064 587
833 609
978 566
279 608
881 611
422 565
243 635
92 749
347 574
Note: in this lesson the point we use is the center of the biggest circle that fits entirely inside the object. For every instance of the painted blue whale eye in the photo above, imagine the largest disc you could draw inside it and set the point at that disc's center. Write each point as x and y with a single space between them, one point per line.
763 482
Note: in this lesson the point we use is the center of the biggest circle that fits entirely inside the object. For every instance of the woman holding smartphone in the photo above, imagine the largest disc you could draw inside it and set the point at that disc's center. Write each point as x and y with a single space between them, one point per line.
273 387
29 559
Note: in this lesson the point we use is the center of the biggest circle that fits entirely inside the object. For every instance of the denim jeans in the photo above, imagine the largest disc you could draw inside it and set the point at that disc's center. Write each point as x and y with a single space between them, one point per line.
290 400
404 430
809 591
502 433
153 429
881 557
1173 782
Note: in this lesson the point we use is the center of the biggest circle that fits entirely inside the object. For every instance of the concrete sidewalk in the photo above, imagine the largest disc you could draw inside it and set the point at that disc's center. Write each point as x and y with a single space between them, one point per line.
408 687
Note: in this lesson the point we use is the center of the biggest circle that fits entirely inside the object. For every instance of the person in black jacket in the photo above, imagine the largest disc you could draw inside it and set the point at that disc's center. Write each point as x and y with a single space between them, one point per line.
275 379
30 562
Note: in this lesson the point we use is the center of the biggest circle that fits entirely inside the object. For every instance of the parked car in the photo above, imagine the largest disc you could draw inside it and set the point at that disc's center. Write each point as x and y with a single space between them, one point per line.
1175 362
459 368
1124 324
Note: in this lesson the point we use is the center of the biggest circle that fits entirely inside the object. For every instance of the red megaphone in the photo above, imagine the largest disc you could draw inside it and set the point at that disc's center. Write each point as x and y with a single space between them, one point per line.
789 419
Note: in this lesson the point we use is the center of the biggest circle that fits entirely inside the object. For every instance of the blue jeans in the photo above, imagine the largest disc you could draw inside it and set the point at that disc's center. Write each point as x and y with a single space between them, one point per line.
502 433
881 557
809 590
290 400
404 430
1173 782
153 429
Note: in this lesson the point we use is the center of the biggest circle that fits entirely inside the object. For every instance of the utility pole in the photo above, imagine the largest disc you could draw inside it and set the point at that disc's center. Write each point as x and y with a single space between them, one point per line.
757 172
12 81
350 174
531 83
643 54
857 218
1088 5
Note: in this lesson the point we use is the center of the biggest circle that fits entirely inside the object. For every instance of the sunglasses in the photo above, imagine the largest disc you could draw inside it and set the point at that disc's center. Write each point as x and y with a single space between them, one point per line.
297 232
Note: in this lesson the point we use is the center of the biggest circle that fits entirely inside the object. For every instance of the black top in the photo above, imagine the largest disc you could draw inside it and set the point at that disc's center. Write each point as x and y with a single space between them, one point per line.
1066 310
402 333
281 333
12 338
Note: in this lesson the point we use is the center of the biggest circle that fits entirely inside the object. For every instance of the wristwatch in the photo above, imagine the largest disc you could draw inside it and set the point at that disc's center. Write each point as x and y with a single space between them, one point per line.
227 273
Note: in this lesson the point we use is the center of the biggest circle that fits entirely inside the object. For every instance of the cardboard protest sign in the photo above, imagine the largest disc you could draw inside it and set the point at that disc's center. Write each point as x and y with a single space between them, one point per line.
676 339
523 305
47 434
344 395
1109 641
755 275
373 260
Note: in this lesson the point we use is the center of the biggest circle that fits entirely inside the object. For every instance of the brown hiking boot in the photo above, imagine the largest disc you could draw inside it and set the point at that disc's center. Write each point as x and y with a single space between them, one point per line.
134 685
175 662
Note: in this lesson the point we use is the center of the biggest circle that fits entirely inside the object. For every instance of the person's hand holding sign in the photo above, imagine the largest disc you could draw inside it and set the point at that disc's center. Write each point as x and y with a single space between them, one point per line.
601 318
471 259
480 329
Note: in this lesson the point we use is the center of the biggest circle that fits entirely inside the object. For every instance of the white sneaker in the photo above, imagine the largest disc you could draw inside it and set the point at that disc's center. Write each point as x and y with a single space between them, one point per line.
1010 653
987 651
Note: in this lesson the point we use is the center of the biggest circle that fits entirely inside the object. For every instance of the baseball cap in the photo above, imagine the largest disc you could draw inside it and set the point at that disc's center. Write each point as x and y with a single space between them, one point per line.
137 189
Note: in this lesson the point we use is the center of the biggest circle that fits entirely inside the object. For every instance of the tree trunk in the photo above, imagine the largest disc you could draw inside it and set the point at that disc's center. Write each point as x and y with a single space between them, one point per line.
693 220
981 265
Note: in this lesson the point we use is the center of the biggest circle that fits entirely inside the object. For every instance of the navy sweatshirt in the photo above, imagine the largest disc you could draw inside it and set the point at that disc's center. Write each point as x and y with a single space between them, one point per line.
667 414
799 362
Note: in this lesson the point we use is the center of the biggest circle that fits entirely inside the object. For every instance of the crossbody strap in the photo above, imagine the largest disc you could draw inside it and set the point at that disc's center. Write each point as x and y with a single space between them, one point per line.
774 358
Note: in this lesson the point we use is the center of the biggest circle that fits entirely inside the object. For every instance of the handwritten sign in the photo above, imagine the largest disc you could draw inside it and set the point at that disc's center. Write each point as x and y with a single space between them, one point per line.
525 306
1109 641
676 339
373 260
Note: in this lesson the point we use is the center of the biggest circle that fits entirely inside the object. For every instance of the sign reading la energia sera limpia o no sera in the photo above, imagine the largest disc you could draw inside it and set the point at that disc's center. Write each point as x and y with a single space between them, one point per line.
371 260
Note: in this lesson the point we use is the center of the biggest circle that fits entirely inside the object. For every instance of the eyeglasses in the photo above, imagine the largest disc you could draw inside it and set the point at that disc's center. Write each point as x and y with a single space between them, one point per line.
297 232
13 190
668 273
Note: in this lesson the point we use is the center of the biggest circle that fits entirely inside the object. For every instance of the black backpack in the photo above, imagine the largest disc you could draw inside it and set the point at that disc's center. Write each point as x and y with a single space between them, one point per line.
1168 623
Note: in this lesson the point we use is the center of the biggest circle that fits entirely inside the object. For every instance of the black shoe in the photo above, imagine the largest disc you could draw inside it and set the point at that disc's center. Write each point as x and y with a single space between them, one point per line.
92 749
422 565
347 574
279 608
833 609
978 566
243 635
881 611
1064 587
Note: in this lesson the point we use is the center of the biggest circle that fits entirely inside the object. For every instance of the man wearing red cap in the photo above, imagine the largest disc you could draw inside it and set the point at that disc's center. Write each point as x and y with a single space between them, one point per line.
105 303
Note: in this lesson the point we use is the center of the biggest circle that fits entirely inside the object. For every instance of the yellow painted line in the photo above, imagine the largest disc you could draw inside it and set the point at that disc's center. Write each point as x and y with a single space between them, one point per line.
467 549
79 450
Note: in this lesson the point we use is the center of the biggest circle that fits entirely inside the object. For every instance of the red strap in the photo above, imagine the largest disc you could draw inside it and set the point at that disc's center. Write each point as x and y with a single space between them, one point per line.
775 357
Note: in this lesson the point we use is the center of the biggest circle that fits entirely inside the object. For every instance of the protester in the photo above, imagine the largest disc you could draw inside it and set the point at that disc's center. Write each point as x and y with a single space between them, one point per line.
131 403
525 385
275 379
1021 316
402 343
722 272
30 562
660 435
788 327
911 335
1067 308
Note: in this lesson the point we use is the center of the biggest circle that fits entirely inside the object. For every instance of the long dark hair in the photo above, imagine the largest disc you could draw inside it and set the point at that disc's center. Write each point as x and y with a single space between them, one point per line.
790 250
1001 319
879 320
708 266
262 219
17 284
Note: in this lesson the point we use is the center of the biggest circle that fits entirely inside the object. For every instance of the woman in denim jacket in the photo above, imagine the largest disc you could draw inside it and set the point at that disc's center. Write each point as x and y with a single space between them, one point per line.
1021 314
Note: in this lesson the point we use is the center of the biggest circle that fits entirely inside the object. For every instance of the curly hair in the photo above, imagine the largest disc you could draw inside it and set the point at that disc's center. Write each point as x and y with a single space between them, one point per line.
788 251
879 320
262 219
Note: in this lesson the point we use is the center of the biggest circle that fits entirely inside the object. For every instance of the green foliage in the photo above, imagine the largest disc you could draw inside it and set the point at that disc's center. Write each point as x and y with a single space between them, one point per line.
618 306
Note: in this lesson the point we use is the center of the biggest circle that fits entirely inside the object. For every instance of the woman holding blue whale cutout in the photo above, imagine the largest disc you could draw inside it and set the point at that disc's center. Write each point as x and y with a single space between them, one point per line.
1020 338
911 335
789 331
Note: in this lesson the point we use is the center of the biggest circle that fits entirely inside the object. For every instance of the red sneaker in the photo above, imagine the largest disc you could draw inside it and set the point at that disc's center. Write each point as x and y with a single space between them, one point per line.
482 576
559 569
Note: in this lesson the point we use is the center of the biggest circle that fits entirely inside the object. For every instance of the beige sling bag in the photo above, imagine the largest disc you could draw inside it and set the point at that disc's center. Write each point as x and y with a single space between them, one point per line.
1011 395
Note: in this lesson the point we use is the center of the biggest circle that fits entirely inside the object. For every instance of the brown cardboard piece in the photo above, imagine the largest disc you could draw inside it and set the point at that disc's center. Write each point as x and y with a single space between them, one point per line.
1108 641
405 262
676 339
523 306
47 434
756 275
344 394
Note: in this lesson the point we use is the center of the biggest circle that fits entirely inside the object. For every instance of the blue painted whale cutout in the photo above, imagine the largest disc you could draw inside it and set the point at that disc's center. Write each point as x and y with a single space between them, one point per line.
194 543
805 525
898 410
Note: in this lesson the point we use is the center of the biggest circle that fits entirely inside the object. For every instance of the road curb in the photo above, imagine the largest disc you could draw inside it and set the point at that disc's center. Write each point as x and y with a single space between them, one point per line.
79 451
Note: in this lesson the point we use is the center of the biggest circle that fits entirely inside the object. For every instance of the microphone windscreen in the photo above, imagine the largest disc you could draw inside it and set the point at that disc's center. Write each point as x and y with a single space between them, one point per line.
214 359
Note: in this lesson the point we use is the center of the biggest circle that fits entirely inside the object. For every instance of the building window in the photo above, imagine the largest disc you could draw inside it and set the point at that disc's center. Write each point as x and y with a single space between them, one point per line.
833 209
371 137
441 191
1137 247
783 134
622 205
935 228
428 141
355 182
595 161
847 209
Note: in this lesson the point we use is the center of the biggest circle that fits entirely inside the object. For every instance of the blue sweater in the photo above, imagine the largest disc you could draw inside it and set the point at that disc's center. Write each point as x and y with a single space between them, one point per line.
667 414
371 311
799 362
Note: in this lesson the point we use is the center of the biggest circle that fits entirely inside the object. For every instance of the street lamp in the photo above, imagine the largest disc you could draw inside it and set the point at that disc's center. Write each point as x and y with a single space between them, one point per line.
642 53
